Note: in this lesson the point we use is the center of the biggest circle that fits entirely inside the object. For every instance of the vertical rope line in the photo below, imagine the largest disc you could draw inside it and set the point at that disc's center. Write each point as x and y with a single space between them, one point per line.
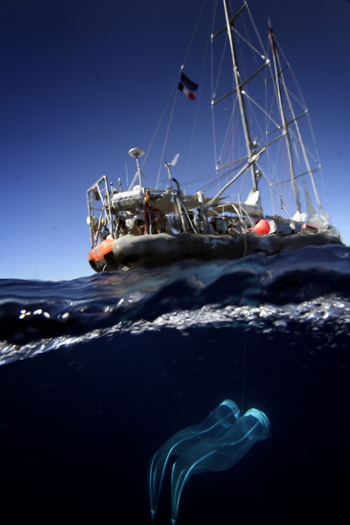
161 118
197 111
194 32
159 123
172 111
244 363
166 138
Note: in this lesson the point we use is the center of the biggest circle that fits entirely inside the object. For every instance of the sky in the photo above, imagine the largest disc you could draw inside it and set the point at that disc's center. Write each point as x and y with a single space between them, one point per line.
82 82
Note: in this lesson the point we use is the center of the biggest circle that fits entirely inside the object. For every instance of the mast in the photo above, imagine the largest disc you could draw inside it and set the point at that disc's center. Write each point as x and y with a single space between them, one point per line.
283 118
306 159
240 95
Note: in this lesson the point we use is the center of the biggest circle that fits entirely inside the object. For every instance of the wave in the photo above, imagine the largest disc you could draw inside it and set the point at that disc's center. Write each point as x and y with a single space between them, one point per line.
37 316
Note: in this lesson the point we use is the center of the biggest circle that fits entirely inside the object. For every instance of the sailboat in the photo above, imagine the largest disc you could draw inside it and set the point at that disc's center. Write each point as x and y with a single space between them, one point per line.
145 226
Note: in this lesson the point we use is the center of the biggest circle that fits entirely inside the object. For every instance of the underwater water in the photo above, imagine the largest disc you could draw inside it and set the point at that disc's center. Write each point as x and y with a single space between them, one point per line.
99 373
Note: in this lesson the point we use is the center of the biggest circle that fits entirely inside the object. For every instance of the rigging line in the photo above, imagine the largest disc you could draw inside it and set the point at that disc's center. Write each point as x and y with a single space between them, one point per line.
214 90
305 106
254 118
245 339
210 175
160 121
197 111
315 155
229 148
300 102
249 44
228 130
272 97
306 159
296 176
202 178
295 80
275 192
166 105
243 182
262 109
194 32
256 30
164 180
209 186
166 137
151 187
271 102
172 112
212 183
212 93
263 22
297 141
212 81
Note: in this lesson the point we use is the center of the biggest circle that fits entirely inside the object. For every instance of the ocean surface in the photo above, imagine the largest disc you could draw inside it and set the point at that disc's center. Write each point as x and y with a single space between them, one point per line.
98 373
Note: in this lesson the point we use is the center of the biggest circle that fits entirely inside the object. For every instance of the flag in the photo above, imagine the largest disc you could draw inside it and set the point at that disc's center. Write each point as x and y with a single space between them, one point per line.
186 92
188 83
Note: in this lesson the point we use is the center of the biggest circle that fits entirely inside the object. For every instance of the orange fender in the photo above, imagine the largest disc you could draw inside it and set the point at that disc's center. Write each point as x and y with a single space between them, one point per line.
262 227
100 250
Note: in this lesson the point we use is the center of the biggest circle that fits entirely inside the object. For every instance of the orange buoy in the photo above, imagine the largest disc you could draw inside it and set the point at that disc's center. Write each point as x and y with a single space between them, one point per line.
262 227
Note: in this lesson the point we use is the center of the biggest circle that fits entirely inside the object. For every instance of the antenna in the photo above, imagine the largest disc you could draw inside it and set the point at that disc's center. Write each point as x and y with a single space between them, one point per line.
136 153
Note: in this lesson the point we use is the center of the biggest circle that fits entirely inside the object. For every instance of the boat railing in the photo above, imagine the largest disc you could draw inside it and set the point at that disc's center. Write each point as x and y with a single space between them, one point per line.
99 209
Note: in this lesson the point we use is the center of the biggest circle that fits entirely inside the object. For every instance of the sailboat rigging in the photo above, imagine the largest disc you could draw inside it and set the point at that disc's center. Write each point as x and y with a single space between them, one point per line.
154 227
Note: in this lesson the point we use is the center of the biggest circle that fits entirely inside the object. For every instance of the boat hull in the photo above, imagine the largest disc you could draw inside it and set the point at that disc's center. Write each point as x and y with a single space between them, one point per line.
163 249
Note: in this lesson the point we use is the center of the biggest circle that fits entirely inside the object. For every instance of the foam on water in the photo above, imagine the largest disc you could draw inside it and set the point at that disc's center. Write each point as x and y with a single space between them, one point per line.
310 287
315 315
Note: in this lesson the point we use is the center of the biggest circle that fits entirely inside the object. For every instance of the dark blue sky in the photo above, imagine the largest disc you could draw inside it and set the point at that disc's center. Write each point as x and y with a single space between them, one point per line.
82 82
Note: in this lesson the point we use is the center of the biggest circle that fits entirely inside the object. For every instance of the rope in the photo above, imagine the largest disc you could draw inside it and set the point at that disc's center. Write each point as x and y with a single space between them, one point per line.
166 138
159 123
166 105
194 32
198 106
244 363
172 112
